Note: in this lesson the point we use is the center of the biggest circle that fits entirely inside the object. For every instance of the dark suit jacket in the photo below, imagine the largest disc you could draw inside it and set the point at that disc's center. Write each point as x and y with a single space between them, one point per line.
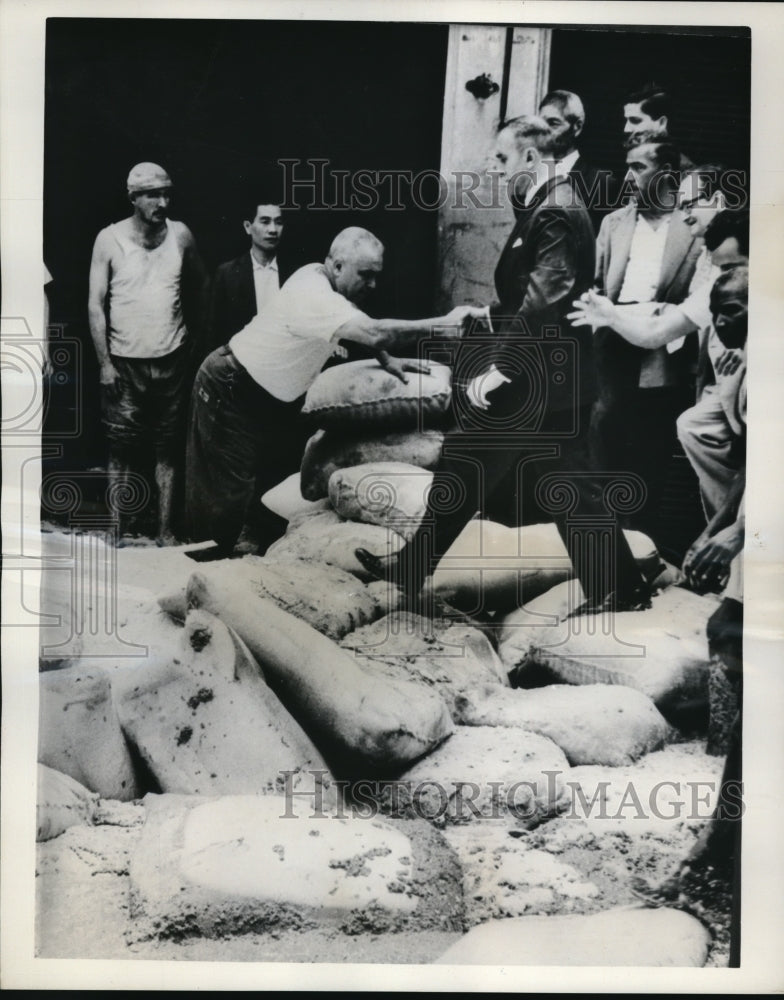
597 187
547 262
233 303
681 250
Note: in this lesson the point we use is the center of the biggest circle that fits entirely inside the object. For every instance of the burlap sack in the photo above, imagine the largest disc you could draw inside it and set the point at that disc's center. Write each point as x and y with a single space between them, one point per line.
662 652
366 726
286 500
330 599
362 393
61 802
327 451
390 494
320 541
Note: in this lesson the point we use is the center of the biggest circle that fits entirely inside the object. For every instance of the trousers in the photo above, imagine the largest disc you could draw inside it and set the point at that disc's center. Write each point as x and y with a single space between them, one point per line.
711 447
241 442
476 459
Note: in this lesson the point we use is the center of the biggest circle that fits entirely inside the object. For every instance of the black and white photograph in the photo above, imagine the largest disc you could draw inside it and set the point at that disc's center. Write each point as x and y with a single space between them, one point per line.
378 588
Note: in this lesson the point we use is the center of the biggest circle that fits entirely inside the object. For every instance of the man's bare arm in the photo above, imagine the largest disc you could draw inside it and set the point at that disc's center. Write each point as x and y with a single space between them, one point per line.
100 273
400 334
643 331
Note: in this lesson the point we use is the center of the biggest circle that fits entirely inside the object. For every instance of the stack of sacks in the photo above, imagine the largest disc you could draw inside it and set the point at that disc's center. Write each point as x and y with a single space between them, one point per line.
363 724
365 414
379 506
662 652
206 722
332 601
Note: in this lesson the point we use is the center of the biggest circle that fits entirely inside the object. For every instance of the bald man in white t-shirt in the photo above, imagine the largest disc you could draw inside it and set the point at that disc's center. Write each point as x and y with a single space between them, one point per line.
248 394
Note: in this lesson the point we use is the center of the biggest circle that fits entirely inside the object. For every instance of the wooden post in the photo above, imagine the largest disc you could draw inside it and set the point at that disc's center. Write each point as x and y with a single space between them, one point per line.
476 219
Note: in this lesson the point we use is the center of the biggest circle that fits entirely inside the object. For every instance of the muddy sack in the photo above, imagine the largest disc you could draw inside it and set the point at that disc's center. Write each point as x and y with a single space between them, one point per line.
327 451
363 394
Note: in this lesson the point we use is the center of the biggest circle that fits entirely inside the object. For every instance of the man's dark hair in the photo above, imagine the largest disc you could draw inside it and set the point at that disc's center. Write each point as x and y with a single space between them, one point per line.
709 175
736 280
732 222
665 155
737 276
569 104
652 99
264 197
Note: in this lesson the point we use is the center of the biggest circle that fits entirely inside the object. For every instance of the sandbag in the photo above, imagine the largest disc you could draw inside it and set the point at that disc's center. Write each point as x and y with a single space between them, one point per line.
362 393
205 722
404 645
482 773
61 803
79 732
240 864
286 500
367 725
662 652
333 601
594 724
327 451
319 540
390 494
491 567
621 936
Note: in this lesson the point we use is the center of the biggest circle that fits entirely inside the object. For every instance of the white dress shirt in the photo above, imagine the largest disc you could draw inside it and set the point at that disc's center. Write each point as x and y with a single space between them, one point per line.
266 281
645 260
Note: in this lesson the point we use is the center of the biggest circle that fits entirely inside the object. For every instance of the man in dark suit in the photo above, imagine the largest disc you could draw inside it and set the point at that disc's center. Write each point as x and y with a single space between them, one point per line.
244 285
564 113
646 254
522 393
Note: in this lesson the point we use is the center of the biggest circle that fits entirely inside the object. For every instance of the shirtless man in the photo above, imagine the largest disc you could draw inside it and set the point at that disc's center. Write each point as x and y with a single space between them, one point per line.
143 270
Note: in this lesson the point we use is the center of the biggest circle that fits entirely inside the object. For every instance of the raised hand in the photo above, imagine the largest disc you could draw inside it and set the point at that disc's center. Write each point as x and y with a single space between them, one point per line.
593 310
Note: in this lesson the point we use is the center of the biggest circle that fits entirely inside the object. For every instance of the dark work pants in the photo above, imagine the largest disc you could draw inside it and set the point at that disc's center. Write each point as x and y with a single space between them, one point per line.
241 442
476 458
634 429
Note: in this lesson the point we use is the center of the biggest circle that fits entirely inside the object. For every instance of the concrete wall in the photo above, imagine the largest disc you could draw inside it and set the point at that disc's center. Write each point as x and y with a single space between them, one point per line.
476 219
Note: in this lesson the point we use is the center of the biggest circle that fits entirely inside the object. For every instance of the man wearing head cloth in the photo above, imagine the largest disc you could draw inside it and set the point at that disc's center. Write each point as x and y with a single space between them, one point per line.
145 276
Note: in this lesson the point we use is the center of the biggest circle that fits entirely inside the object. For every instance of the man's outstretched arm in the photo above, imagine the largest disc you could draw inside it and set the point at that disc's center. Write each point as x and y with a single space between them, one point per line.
643 331
403 334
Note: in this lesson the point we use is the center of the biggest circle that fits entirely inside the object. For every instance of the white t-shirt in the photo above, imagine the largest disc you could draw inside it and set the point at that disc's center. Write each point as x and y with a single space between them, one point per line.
285 346
641 280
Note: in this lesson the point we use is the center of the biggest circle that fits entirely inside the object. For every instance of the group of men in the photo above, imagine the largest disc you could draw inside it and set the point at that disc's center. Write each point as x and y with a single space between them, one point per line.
627 291
620 322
